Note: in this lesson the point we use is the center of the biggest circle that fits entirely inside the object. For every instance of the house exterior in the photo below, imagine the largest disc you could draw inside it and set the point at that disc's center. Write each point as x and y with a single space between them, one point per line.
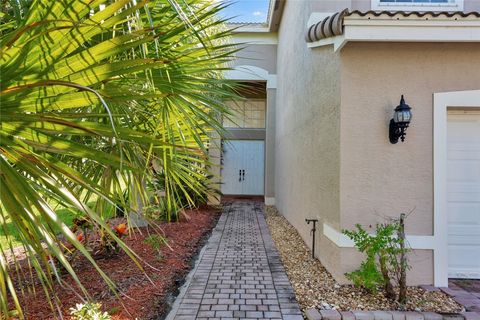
332 73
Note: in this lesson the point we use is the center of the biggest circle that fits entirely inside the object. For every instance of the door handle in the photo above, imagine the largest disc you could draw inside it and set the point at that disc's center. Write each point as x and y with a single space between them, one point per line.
243 175
240 175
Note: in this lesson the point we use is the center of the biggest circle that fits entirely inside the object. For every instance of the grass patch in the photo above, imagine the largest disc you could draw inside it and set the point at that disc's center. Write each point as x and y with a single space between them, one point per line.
155 241
65 215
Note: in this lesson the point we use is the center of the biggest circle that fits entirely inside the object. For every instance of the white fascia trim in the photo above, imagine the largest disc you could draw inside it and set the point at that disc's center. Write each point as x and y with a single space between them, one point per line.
272 81
338 42
413 31
441 102
342 241
405 30
269 201
250 29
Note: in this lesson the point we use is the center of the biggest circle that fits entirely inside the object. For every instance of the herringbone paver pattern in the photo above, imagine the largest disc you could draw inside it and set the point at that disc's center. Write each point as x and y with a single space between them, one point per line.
240 275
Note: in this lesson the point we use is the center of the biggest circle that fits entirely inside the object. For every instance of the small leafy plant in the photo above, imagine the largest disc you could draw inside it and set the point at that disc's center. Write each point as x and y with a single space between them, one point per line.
386 261
367 275
88 311
108 244
156 241
155 212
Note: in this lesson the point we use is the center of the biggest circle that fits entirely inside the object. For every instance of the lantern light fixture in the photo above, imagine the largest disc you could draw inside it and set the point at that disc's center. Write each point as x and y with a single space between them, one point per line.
400 122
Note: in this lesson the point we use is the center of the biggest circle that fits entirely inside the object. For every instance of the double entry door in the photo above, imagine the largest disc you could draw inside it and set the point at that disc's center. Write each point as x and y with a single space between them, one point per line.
243 167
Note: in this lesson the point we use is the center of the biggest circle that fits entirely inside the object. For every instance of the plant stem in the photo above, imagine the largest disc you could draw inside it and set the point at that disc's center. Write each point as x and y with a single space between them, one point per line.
402 296
389 291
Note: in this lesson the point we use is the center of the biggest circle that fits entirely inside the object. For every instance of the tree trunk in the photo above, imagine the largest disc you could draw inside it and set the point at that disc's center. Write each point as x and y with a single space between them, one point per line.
137 219
402 296
387 283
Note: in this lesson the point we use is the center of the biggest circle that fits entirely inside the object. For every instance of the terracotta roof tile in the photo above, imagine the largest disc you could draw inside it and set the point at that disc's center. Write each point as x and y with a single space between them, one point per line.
333 25
420 14
328 27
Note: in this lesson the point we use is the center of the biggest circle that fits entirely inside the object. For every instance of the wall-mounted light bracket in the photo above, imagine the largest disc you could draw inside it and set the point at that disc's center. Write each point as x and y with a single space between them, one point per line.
400 122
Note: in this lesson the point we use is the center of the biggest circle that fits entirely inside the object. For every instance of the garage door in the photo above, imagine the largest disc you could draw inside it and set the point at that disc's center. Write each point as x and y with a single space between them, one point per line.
463 194
243 167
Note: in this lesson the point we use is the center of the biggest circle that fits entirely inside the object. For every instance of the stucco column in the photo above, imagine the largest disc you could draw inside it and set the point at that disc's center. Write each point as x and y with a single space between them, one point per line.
214 153
270 148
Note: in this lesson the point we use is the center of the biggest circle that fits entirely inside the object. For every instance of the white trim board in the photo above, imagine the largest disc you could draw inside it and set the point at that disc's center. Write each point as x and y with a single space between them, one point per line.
252 73
269 201
441 102
342 241
337 41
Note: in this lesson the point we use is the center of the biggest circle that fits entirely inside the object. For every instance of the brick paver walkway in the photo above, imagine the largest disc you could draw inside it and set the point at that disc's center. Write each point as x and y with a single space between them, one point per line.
466 292
240 275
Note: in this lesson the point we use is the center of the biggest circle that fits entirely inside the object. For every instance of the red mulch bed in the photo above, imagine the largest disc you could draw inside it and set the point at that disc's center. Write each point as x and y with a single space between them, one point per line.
143 299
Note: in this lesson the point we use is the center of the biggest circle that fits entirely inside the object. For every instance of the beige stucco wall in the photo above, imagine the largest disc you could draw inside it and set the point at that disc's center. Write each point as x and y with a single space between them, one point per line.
380 180
329 5
339 5
307 131
333 158
259 55
270 144
471 5
214 153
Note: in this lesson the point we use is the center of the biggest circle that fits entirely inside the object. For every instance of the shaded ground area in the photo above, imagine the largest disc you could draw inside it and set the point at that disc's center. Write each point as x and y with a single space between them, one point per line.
465 292
316 288
143 295
469 285
240 274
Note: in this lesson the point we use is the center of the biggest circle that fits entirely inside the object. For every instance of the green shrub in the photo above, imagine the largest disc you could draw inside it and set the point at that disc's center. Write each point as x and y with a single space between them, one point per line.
186 195
386 261
367 275
155 212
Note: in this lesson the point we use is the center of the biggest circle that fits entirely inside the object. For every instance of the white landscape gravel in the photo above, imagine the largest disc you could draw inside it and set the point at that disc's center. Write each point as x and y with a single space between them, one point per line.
316 288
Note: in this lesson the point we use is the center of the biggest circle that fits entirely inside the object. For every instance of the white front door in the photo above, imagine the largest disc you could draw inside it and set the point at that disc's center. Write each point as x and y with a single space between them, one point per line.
243 167
463 194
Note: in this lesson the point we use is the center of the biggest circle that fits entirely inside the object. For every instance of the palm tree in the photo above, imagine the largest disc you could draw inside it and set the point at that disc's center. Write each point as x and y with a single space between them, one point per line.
93 95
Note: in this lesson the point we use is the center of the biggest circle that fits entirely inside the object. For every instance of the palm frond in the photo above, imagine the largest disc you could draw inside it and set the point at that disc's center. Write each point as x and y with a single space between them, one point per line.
92 94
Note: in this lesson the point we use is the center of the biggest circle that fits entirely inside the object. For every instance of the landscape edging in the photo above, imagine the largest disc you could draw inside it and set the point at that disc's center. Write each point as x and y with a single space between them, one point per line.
314 314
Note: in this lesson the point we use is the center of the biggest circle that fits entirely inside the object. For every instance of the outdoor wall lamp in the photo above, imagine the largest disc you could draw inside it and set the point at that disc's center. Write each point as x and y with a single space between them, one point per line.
400 122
